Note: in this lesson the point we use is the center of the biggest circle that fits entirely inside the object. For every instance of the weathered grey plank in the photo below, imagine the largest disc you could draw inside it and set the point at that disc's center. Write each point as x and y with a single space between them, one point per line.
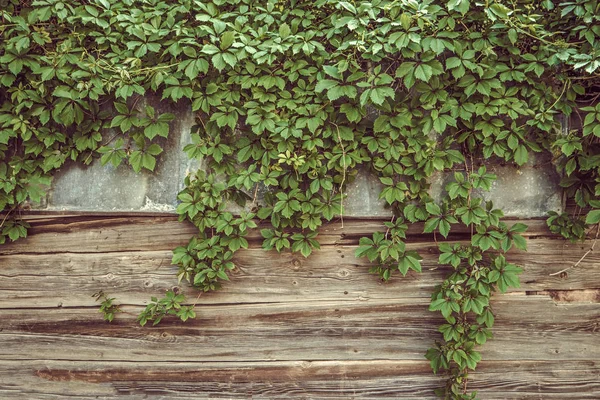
298 379
69 279
400 330
513 311
100 234
86 234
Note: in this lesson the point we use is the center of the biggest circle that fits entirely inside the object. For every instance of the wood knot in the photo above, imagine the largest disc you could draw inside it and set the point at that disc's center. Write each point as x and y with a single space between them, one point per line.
164 337
343 273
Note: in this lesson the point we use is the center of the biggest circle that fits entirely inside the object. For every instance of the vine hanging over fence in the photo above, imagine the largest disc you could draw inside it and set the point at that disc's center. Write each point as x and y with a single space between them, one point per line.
291 99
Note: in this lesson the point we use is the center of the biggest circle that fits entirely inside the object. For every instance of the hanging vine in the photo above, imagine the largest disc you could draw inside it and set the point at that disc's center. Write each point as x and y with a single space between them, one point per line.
291 99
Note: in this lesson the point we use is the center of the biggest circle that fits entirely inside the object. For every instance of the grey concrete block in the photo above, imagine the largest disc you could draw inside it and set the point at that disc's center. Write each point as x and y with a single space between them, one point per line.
97 188
363 197
528 191
525 192
105 188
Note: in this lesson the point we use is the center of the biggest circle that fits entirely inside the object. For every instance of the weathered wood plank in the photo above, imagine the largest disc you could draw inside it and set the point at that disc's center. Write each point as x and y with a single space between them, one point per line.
101 234
81 234
513 311
69 279
401 330
295 380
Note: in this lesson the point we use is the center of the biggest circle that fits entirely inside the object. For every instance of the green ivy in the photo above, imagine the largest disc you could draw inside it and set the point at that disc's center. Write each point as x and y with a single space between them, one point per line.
291 99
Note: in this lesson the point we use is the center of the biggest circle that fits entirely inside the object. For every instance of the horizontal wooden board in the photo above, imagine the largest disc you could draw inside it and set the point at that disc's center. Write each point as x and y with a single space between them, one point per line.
374 379
70 279
400 330
54 234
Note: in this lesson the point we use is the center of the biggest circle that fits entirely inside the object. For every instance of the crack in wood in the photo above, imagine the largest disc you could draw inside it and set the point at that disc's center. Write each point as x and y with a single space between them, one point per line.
569 296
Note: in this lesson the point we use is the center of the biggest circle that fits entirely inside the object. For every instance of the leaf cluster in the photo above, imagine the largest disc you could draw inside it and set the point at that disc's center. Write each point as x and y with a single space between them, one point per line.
170 304
107 306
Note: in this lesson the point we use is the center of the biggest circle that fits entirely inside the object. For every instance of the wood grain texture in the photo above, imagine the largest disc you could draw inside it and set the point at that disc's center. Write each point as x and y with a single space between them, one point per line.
307 330
285 327
113 233
69 279
373 379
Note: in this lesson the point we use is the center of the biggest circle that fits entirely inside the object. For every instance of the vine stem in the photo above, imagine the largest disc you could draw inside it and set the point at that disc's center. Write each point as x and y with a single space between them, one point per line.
6 216
343 175
523 31
591 249
197 299
255 194
560 96
388 229
470 187
594 76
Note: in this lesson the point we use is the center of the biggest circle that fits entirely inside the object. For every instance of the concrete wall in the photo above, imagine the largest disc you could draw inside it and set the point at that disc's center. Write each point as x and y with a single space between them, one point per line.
528 191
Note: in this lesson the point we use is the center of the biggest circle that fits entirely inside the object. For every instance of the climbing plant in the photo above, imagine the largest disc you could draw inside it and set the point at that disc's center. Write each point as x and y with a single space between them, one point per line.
290 99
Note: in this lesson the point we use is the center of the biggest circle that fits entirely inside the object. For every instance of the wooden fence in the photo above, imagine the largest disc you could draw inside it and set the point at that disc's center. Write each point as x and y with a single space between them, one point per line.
285 327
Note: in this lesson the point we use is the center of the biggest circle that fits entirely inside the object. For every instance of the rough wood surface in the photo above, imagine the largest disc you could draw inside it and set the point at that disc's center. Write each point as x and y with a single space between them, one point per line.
285 327
298 379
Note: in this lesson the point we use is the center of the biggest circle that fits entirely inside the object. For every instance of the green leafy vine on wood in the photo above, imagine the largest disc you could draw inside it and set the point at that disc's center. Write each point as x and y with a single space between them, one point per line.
291 99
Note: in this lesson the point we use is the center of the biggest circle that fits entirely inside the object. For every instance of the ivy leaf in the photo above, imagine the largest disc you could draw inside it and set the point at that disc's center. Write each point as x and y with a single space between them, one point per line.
593 217
437 359
379 94
36 187
431 224
386 181
433 208
423 72
444 228
210 49
509 277
332 71
284 31
227 40
148 161
512 35
15 231
453 62
218 62
461 6
347 6
325 84
156 129
135 159
519 242
521 155
410 260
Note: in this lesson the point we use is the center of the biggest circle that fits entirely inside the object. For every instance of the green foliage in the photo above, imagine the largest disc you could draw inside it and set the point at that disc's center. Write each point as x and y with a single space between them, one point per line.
171 304
570 227
291 99
107 307
477 269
